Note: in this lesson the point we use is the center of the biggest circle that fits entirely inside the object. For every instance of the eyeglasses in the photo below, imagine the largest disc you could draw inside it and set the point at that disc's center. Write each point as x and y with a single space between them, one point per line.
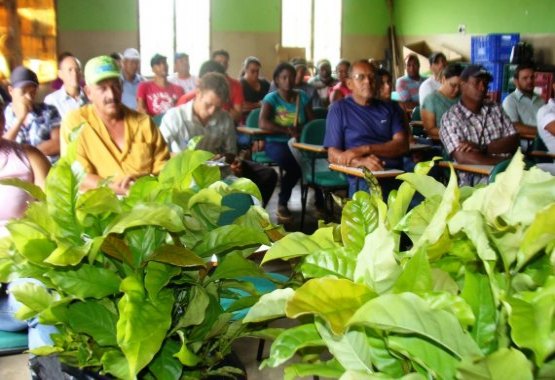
361 77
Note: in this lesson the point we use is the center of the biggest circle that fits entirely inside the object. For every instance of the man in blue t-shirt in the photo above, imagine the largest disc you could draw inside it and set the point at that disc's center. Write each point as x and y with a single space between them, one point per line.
364 131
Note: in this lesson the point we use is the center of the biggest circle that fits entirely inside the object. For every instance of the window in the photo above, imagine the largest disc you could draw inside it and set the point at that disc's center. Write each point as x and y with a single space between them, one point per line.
174 26
314 25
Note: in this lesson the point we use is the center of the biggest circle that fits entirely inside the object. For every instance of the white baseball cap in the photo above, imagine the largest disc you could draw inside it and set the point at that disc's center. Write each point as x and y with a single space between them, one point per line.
131 53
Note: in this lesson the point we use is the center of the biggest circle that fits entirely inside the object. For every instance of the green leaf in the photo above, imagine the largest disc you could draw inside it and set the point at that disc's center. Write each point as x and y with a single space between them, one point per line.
478 294
335 300
269 306
245 185
376 264
86 281
416 276
329 369
505 364
157 277
138 342
45 350
358 219
177 173
452 303
234 266
176 255
206 206
196 310
117 248
540 233
185 355
351 349
474 226
408 314
289 342
97 201
68 253
115 363
298 244
425 185
231 237
32 189
143 241
32 295
93 319
206 175
165 365
336 262
414 223
30 241
149 214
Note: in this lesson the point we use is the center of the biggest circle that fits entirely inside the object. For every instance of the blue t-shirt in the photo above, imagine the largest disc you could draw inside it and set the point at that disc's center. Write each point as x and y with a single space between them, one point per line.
350 125
284 112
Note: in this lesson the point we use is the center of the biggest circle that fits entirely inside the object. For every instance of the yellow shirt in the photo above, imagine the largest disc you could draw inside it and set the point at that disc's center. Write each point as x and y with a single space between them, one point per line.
145 151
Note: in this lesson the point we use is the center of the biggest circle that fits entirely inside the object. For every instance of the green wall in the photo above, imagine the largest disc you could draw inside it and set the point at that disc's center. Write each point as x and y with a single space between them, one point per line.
365 17
97 15
246 15
480 16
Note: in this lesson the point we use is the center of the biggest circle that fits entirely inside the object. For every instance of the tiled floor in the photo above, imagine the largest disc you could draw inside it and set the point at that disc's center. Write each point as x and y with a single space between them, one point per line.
15 367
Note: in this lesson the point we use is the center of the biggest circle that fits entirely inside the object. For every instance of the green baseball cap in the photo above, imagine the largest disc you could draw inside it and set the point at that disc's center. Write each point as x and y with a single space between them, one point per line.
99 68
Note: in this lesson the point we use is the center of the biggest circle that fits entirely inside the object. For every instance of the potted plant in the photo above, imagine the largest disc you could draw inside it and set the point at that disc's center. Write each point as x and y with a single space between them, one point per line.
472 296
131 283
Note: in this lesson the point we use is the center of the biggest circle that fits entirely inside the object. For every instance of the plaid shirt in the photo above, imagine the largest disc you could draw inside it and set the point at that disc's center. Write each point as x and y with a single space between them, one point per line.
459 124
37 126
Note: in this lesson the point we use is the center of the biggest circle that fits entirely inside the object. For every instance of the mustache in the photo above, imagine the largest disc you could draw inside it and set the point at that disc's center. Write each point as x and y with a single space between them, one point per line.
111 101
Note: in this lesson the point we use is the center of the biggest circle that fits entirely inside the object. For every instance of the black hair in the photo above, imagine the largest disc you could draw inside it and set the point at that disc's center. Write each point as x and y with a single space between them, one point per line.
217 83
220 52
343 62
117 56
210 67
434 57
63 56
284 66
452 70
410 57
522 67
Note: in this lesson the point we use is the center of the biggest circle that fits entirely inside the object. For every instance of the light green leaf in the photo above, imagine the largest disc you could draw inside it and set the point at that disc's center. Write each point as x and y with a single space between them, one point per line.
289 342
336 262
234 266
376 264
177 173
163 215
176 255
540 233
358 219
93 319
46 350
408 314
165 365
245 185
32 295
115 363
139 343
97 201
329 369
351 349
158 275
185 355
352 375
478 294
298 244
335 300
68 253
30 241
196 311
86 281
453 304
416 276
206 206
32 189
231 237
474 226
414 223
269 306
206 175
425 185
443 282
504 364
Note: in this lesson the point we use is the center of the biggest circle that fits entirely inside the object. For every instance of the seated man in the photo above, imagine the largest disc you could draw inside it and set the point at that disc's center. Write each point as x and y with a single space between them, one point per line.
522 104
235 103
204 117
546 124
323 82
364 131
30 122
475 131
407 86
158 95
433 83
114 142
130 77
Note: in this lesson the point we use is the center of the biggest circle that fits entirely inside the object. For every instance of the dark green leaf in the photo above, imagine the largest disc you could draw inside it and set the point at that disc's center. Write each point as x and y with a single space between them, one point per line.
165 365
231 237
329 369
175 255
93 319
290 341
149 214
116 364
335 262
234 266
86 281
158 275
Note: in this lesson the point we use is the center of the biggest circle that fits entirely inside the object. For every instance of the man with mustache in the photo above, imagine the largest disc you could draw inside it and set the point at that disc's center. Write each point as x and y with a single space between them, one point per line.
115 145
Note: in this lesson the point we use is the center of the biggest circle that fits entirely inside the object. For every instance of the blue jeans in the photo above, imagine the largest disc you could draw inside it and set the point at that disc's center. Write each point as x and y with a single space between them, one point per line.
280 153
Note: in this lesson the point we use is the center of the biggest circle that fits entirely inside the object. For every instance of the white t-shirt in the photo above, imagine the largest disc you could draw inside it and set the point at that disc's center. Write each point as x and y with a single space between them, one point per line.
546 115
427 87
188 84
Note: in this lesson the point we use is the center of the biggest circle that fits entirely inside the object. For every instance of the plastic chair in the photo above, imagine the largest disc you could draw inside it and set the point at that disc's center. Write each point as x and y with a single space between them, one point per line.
502 166
13 342
314 168
320 113
539 152
415 122
252 122
238 204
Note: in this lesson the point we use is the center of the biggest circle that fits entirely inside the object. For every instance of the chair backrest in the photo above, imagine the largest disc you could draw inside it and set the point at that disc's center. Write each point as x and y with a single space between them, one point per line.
238 204
538 144
252 118
320 112
313 132
503 165
415 115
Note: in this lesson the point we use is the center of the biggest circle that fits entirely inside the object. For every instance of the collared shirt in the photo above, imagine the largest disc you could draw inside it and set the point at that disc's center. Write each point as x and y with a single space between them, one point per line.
180 124
459 124
37 126
546 115
64 102
129 91
521 108
407 88
144 153
427 87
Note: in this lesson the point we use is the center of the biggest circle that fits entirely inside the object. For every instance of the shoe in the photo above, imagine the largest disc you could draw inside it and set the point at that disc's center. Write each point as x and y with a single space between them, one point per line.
283 213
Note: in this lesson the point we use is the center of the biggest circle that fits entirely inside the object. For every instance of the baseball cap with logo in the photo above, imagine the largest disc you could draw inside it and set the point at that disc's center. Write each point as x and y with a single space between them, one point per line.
475 71
100 68
131 53
22 76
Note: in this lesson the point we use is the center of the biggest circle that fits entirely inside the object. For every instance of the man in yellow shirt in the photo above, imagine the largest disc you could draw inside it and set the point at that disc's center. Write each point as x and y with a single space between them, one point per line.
114 143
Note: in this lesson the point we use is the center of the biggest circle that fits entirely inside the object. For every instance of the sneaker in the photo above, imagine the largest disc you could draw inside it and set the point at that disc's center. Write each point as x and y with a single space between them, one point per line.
283 213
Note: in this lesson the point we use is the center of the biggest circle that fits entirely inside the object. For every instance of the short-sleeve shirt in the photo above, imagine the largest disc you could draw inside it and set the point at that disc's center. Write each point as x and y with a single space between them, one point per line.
427 87
64 102
522 109
407 88
235 94
37 126
129 91
145 151
158 99
350 125
252 95
438 104
179 125
546 115
188 84
284 113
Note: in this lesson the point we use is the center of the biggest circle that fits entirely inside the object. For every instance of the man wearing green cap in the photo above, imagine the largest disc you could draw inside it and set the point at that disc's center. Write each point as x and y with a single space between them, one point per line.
113 141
